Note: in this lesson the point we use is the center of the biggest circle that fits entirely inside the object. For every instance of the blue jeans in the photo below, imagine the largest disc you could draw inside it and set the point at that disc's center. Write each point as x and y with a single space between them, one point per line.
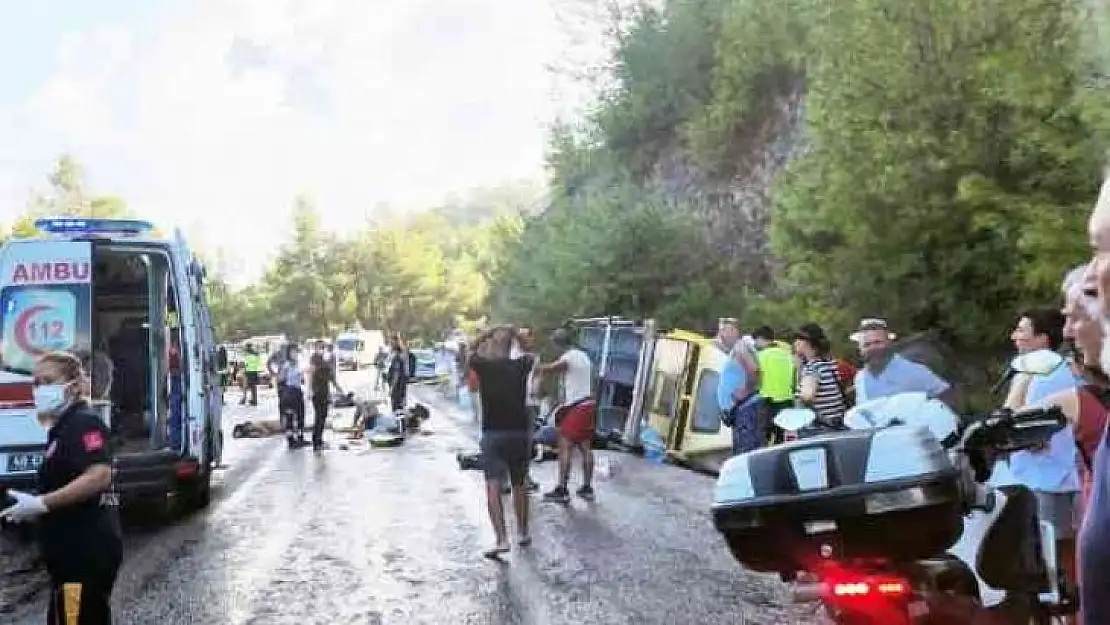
747 430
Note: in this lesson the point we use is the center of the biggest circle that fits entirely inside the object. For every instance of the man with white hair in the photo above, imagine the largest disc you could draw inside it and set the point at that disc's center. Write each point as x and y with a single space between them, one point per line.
1094 536
738 387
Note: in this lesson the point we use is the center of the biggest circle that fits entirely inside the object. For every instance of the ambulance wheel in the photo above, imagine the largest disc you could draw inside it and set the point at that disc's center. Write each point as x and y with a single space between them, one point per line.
196 493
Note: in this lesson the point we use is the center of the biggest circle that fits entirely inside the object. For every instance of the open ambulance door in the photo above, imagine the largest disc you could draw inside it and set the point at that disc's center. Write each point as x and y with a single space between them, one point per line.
45 305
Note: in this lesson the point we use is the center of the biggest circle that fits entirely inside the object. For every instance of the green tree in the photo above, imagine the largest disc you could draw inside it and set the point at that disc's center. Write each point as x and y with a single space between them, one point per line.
67 196
952 164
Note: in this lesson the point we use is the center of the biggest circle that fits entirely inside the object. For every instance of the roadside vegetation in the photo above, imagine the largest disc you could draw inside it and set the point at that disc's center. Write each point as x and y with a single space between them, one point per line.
932 163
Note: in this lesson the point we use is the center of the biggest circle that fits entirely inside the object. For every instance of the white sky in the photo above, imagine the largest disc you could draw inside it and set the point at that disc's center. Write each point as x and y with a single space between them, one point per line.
213 114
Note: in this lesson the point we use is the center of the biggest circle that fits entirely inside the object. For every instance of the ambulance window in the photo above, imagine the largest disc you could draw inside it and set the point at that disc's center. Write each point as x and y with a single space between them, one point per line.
41 318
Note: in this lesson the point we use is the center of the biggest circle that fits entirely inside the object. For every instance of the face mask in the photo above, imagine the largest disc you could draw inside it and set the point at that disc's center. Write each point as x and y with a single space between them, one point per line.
50 398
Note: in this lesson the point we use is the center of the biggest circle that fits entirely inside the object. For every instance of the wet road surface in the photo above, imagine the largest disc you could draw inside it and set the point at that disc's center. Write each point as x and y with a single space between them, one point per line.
363 536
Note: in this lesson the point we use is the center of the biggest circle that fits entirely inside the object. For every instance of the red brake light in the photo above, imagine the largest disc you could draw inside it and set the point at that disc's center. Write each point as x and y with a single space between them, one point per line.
870 587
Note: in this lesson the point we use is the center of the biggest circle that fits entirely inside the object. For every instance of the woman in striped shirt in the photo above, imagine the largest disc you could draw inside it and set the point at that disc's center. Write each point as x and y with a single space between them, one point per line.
818 385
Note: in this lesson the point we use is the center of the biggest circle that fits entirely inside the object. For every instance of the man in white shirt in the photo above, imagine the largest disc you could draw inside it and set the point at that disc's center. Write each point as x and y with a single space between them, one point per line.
575 417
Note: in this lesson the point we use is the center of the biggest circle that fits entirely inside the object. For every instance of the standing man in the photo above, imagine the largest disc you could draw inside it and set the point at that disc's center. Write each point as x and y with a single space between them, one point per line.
887 373
252 367
321 375
381 365
777 381
738 388
506 443
401 365
221 364
574 418
1094 535
290 381
532 400
1050 471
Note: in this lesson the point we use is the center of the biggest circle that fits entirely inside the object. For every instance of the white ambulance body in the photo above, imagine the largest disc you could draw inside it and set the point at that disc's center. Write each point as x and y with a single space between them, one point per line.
132 304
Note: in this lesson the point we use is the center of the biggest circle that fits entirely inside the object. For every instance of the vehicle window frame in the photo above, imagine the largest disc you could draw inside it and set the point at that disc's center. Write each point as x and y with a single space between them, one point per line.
706 396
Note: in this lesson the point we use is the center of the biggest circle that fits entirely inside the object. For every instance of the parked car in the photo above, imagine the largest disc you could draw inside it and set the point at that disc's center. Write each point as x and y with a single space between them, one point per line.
425 364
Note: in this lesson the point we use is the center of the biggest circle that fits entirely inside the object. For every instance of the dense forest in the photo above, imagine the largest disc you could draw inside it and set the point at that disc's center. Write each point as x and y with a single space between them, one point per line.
929 162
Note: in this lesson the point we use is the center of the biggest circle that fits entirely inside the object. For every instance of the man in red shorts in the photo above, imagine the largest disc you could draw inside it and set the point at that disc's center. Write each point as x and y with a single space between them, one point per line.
574 418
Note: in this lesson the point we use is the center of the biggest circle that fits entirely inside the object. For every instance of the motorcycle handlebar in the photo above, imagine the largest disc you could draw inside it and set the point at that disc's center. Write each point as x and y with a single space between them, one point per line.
1006 430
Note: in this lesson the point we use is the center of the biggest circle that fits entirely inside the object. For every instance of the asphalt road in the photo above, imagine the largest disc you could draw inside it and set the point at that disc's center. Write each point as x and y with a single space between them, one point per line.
362 536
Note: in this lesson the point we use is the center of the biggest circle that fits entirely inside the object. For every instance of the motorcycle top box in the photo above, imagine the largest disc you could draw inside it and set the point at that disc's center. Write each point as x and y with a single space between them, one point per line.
888 493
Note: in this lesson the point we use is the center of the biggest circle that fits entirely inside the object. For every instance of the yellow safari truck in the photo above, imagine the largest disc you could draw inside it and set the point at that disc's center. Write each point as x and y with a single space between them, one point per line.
680 399
662 379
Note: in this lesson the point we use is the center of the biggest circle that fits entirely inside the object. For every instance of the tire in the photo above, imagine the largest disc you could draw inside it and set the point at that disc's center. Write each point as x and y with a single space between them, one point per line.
195 494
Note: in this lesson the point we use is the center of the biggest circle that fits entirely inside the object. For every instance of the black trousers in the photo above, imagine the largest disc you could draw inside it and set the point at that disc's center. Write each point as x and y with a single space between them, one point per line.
771 410
292 398
319 416
252 387
82 595
397 396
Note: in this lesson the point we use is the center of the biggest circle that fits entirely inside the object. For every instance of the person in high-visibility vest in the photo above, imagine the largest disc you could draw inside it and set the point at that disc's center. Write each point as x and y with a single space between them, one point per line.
252 365
776 384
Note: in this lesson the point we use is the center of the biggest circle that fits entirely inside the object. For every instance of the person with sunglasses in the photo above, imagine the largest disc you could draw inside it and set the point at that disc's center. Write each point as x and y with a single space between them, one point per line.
79 534
886 373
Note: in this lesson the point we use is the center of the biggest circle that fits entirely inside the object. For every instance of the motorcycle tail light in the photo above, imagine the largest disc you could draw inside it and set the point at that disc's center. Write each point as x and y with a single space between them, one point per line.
869 587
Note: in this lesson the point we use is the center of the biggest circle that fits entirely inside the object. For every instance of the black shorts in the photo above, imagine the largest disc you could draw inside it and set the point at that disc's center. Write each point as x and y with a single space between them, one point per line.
506 453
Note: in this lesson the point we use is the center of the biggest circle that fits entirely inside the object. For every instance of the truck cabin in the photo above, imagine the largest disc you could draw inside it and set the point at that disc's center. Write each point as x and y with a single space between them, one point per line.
680 400
614 347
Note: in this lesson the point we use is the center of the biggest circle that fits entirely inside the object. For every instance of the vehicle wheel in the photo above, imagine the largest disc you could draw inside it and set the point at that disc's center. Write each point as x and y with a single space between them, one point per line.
195 494
169 508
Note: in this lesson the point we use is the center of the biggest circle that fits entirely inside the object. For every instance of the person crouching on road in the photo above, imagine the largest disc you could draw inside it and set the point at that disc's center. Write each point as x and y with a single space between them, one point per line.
79 534
738 389
574 418
506 445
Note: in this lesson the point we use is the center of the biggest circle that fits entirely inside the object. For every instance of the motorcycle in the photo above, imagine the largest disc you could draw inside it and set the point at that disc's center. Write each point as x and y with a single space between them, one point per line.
891 521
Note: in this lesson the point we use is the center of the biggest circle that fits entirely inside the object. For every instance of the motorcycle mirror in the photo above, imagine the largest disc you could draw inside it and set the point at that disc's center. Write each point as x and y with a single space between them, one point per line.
794 419
1037 362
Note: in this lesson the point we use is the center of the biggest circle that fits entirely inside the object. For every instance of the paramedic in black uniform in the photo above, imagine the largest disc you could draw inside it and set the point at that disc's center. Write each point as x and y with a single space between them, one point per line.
79 531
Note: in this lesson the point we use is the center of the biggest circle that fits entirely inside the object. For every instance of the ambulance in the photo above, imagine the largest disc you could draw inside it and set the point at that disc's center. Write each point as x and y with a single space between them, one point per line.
131 303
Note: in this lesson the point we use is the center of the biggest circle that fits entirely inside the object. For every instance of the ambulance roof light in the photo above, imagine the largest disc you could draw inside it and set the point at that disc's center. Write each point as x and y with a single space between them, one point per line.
93 225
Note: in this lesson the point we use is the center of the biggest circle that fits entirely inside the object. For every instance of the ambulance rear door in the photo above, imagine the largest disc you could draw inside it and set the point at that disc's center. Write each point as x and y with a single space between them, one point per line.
45 305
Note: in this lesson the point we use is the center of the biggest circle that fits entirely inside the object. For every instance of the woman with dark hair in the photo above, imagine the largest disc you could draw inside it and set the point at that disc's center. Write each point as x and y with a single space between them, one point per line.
819 385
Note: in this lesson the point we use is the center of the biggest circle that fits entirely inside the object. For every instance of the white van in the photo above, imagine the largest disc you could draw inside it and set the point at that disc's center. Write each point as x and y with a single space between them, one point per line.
354 350
120 295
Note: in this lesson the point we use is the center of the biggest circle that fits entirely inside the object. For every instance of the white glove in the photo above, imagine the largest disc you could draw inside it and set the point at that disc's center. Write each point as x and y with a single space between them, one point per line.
26 507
